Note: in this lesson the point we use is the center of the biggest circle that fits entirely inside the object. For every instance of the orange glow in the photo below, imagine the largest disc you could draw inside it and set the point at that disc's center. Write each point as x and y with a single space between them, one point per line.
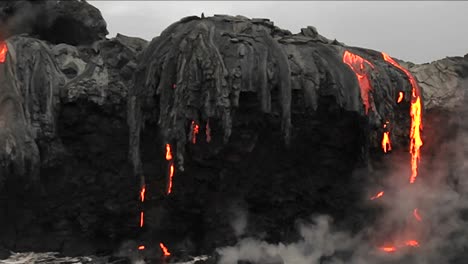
142 193
357 64
195 130
164 249
416 119
141 247
208 131
3 51
171 175
168 152
417 215
412 243
378 195
388 249
400 97
142 215
386 143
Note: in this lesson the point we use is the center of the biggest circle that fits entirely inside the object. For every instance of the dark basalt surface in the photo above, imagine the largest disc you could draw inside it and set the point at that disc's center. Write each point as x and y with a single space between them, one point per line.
83 124
290 137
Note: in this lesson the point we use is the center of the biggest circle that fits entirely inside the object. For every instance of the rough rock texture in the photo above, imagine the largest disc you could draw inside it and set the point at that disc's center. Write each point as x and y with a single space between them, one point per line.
444 82
74 22
63 145
289 134
283 130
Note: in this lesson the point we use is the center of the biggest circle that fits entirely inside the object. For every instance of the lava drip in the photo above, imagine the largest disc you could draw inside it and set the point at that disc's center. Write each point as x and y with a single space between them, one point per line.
195 129
170 159
386 143
416 119
164 249
3 51
401 96
358 65
378 195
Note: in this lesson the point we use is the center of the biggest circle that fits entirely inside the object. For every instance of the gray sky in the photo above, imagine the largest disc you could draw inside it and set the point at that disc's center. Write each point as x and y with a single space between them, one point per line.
420 31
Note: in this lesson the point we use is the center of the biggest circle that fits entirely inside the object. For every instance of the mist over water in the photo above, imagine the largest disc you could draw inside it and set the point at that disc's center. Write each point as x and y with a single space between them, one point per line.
440 226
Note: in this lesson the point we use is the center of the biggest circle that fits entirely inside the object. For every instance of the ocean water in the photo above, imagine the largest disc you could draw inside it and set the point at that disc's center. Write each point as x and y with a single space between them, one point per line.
56 258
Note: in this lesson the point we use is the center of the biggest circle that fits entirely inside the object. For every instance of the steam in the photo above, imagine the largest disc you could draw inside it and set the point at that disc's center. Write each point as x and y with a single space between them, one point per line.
440 195
239 215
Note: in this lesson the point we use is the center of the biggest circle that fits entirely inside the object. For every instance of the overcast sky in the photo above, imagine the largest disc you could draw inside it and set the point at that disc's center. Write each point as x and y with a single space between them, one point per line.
420 31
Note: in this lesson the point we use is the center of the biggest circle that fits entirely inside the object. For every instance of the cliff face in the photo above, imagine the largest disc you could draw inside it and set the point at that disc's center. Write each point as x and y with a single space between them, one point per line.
64 173
264 126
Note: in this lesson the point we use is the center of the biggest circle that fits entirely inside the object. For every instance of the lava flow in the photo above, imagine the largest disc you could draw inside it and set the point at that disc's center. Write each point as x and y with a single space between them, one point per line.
416 119
169 158
3 51
386 143
195 130
357 64
378 195
164 249
400 97
416 214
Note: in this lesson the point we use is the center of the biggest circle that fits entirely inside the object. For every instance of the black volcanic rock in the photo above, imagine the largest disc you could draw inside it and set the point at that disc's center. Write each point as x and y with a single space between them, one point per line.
289 133
73 22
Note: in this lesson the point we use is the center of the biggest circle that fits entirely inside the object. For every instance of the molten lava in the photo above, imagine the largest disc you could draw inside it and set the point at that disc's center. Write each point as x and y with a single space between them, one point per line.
386 143
416 214
378 195
142 215
401 95
412 243
358 65
195 130
168 152
388 249
141 247
171 175
164 249
416 119
142 193
3 51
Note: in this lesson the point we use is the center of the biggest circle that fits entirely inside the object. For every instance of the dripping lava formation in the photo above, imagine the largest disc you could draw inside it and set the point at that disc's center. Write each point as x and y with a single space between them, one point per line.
105 141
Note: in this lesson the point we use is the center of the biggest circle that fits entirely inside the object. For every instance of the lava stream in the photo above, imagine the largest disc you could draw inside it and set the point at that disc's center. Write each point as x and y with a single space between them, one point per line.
142 193
416 214
142 215
164 249
416 119
195 130
378 195
3 51
386 143
357 64
168 152
400 97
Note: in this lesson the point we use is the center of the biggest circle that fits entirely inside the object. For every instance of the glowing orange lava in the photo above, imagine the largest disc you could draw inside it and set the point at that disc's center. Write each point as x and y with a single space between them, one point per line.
388 249
141 247
412 243
417 215
378 195
171 175
168 152
357 64
142 193
164 249
386 143
142 215
195 130
3 51
416 119
401 95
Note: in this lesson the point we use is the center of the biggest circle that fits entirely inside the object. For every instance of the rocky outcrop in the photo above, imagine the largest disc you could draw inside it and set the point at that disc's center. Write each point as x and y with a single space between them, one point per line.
444 82
74 22
284 130
64 144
